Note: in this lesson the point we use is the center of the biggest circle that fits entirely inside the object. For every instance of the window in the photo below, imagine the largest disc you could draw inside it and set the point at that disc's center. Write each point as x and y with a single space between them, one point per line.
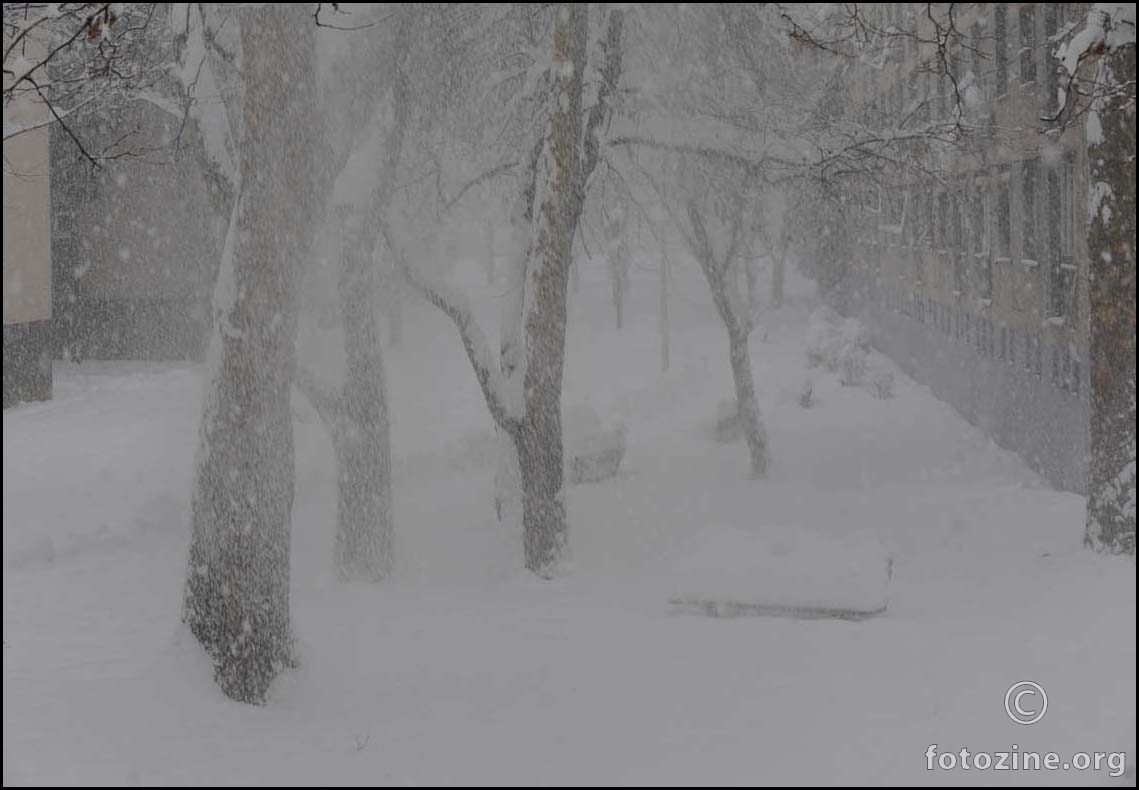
930 210
977 59
1028 44
957 242
940 236
977 222
1051 26
1028 205
979 249
914 218
894 209
953 83
956 227
1003 218
1061 265
1000 54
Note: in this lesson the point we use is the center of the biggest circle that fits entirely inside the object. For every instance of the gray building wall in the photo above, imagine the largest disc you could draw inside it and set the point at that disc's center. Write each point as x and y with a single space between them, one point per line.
27 256
136 247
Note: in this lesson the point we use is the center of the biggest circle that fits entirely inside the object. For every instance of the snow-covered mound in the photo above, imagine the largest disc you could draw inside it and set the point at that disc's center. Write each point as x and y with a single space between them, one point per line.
794 572
593 450
842 346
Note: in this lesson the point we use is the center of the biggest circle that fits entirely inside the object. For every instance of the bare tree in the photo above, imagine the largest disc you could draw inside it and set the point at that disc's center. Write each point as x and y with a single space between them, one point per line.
356 413
522 388
74 59
713 215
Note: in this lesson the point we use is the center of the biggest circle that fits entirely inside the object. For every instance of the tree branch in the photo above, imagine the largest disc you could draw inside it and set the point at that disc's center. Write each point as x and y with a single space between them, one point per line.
455 307
610 76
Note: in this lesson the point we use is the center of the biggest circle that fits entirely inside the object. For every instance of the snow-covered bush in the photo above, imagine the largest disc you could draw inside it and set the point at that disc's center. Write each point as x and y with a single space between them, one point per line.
881 378
837 344
823 340
807 393
852 367
593 450
854 336
842 346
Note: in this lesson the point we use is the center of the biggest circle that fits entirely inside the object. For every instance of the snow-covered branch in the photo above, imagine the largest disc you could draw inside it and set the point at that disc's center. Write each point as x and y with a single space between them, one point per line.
456 307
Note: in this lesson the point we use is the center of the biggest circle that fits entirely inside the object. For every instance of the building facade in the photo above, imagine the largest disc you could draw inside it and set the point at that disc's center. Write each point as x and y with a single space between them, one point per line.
975 279
137 242
27 253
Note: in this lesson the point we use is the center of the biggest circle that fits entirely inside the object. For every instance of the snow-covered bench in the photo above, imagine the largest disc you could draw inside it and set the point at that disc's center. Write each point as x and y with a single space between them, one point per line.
781 572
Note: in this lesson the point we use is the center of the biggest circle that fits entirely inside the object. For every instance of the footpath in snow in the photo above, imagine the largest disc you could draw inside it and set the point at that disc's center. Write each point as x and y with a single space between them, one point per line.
462 669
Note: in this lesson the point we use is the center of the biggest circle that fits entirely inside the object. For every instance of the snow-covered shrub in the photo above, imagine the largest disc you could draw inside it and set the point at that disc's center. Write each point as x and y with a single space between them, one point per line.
881 379
842 345
728 425
593 450
823 339
807 394
854 336
852 367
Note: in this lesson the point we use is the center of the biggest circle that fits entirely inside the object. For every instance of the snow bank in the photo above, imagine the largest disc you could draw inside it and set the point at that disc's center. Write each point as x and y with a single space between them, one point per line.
593 450
842 346
793 572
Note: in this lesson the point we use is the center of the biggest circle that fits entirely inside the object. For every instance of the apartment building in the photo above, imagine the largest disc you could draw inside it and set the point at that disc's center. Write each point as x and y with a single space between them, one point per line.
27 251
974 277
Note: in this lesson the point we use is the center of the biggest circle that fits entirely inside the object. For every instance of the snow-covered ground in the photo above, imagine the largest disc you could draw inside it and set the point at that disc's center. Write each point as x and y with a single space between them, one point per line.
463 669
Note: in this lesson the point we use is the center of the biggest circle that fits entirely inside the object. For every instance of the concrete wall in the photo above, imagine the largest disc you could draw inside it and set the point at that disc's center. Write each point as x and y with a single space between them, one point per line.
27 256
137 245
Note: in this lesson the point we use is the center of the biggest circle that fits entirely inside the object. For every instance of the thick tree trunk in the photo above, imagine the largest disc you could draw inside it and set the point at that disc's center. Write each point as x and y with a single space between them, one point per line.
237 590
508 476
746 404
544 319
361 437
1111 252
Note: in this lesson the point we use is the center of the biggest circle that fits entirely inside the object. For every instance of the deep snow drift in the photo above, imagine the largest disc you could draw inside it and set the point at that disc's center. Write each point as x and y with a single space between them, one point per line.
463 669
